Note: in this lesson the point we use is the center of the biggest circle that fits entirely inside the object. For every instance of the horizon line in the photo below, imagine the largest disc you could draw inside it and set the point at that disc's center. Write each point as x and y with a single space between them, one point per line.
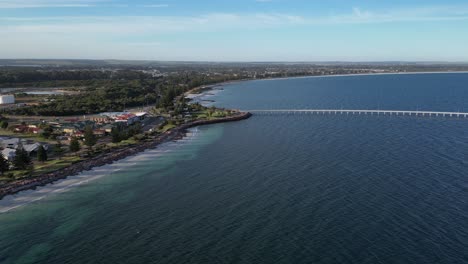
246 61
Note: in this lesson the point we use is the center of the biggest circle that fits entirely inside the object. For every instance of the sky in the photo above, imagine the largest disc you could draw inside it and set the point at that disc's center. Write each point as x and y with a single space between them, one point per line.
235 30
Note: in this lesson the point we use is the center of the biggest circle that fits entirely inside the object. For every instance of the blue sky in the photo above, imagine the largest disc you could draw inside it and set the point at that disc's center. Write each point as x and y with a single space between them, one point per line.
235 30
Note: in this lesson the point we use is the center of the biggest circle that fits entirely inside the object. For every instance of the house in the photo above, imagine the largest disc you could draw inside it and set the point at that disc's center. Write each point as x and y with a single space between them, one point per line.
9 154
34 130
78 134
141 115
101 120
7 99
32 148
127 118
107 128
69 130
20 128
99 132
10 143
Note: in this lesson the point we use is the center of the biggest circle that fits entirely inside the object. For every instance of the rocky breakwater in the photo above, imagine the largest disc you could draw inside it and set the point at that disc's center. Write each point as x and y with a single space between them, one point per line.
109 157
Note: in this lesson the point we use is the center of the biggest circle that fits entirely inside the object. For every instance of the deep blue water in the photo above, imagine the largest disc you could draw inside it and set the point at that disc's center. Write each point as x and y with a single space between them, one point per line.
436 92
277 188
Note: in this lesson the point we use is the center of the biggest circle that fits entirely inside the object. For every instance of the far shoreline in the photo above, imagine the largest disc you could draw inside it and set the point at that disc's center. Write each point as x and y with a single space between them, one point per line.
210 87
348 75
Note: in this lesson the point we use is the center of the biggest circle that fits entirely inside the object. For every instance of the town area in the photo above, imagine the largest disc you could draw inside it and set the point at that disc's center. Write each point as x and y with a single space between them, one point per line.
34 145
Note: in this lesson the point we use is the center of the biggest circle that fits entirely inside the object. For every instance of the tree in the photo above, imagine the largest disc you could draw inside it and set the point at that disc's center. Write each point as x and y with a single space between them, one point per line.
22 159
115 133
47 131
135 129
4 164
90 138
41 154
58 150
74 145
4 124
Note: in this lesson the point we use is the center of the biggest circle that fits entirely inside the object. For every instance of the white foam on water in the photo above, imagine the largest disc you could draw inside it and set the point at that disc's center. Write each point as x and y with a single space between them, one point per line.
204 97
23 198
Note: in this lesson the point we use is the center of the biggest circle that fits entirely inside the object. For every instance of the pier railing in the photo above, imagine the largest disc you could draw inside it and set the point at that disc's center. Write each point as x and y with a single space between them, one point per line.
360 112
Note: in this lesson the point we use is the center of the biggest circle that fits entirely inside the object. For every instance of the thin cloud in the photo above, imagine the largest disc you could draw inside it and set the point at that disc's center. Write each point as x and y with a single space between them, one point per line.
156 5
434 13
19 5
214 22
12 4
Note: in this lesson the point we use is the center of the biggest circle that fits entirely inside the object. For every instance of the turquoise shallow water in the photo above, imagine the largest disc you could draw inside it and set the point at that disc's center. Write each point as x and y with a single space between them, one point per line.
276 188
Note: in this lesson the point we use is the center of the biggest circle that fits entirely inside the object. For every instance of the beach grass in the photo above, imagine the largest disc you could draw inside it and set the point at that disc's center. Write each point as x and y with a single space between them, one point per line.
166 128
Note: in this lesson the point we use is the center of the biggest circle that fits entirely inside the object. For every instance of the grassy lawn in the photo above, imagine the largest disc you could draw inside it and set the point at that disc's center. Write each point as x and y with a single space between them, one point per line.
40 168
123 143
55 164
166 128
15 173
208 114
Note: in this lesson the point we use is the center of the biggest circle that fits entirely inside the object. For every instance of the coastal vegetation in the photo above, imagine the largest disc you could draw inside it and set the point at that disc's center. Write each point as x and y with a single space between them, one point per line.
22 160
4 165
89 138
121 132
74 145
41 154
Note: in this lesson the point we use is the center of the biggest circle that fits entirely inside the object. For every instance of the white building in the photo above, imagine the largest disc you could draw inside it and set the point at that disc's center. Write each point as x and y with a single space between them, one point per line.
7 99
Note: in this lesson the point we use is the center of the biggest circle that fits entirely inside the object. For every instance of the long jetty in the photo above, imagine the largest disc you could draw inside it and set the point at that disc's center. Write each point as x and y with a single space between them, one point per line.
360 112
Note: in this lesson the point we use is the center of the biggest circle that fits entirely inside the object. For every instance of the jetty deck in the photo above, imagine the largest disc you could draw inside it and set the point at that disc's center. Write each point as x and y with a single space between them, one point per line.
360 112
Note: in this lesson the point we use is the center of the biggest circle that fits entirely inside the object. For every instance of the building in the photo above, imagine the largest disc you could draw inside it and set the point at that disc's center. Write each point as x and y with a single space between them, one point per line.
107 128
7 99
10 143
127 118
141 115
33 148
9 154
70 130
99 132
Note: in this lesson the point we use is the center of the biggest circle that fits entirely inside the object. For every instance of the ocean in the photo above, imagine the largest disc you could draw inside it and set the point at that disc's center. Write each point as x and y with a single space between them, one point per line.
276 188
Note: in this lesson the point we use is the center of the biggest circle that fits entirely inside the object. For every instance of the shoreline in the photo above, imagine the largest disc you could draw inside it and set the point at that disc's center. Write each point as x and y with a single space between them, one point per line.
23 198
342 75
362 74
221 84
110 157
346 75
